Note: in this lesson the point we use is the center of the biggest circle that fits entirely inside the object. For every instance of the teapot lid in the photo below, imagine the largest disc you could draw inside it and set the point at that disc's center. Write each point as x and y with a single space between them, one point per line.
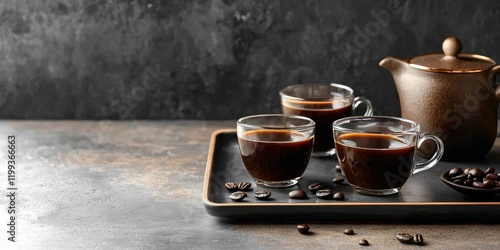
452 61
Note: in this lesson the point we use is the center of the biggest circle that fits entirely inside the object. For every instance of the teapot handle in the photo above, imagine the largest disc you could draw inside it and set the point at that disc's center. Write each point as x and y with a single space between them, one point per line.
494 72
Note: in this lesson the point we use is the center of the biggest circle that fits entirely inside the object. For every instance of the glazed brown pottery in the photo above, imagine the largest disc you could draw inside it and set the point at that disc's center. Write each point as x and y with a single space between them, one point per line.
452 95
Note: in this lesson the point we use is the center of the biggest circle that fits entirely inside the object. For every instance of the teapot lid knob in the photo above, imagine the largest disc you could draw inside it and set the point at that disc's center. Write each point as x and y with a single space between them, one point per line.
452 46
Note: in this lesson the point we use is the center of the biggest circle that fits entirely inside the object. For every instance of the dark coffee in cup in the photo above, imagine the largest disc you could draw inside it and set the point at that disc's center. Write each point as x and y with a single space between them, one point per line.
377 153
323 114
275 148
274 155
362 154
324 104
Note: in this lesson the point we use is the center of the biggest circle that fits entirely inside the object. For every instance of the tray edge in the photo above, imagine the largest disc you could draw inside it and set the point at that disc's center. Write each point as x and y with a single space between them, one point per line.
212 207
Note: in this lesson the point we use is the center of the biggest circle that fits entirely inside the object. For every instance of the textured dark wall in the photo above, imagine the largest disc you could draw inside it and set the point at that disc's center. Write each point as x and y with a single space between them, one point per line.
220 59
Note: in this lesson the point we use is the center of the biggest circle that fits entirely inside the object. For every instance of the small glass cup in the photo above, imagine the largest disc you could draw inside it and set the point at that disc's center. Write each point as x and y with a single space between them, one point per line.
275 148
323 103
377 153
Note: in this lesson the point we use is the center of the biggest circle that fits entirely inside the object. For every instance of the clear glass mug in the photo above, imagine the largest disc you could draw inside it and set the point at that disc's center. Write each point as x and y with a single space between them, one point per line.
275 148
377 153
323 103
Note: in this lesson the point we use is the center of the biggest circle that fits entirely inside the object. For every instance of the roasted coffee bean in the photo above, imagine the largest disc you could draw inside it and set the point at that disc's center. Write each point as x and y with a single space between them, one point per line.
297 194
364 242
324 194
338 168
231 186
476 172
349 231
455 171
491 176
238 196
315 187
262 194
458 181
303 228
459 177
468 182
338 180
470 176
489 170
478 184
244 186
477 179
339 196
489 183
419 239
466 171
404 238
498 183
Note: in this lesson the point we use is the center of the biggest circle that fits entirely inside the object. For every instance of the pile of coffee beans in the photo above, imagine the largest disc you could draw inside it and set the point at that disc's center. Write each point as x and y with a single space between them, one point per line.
406 238
475 177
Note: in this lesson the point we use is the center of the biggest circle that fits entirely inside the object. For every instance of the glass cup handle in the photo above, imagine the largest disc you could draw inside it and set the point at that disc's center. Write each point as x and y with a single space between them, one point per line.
359 100
421 166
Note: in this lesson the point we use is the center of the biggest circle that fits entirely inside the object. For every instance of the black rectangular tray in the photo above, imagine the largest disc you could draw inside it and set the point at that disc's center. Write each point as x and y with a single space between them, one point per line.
423 198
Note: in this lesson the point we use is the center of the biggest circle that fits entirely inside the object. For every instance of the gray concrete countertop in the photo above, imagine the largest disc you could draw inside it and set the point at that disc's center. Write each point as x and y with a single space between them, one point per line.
138 185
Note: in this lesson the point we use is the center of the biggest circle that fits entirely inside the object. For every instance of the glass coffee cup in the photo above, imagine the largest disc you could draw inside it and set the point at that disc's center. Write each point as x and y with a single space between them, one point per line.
377 153
323 103
275 148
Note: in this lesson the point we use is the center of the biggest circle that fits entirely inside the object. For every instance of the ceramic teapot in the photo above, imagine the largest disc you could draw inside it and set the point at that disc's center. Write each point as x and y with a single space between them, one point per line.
452 95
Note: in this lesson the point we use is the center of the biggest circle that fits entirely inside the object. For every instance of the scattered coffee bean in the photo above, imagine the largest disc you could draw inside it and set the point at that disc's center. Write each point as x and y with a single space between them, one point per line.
455 171
303 228
339 196
262 194
364 242
315 187
324 194
338 168
419 239
338 180
297 194
349 231
244 186
404 238
238 196
489 170
231 186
